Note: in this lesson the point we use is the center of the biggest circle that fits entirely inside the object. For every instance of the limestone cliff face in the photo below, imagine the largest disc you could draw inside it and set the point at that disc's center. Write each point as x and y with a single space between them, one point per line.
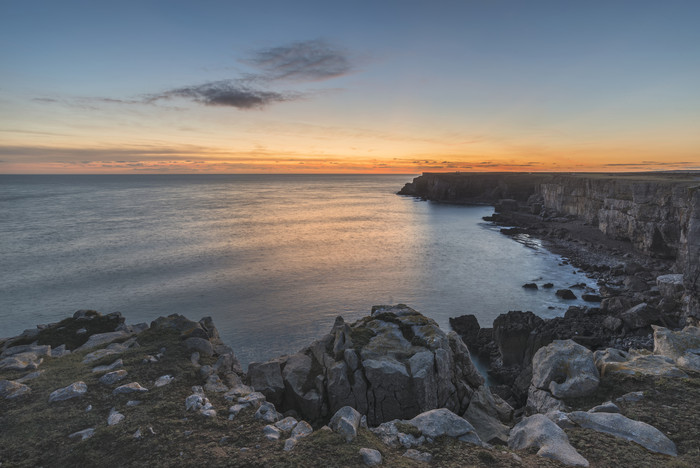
658 213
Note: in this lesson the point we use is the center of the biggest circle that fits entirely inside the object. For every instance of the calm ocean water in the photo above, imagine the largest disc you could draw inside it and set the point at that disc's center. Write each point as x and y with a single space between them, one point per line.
272 258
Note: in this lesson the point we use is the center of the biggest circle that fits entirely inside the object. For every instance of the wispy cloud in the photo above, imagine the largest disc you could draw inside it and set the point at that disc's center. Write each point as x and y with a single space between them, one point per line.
229 93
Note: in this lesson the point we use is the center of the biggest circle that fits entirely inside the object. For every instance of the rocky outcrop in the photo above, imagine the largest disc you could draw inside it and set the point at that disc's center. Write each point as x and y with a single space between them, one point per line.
393 364
539 432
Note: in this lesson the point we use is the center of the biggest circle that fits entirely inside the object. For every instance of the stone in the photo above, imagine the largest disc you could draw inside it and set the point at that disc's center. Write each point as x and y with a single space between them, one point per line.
441 421
670 285
227 363
483 414
114 348
30 376
566 294
113 377
101 339
370 457
616 361
541 401
74 390
567 362
39 350
133 387
682 346
286 424
201 345
289 444
591 297
60 351
115 365
624 428
345 422
163 380
640 316
635 284
131 403
215 385
418 456
194 359
267 413
560 418
21 361
631 397
606 407
10 390
271 432
254 399
301 429
511 333
115 417
84 434
540 432
530 286
612 323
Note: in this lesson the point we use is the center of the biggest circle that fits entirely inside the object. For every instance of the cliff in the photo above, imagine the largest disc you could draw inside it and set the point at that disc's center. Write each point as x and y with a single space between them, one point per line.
657 213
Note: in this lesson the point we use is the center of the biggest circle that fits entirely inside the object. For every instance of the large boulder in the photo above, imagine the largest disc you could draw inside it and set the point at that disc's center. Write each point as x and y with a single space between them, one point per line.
682 346
566 369
488 413
540 432
393 364
616 361
640 316
511 333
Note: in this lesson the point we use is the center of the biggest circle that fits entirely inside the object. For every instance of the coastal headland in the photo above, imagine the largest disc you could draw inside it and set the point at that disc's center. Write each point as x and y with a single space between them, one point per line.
615 383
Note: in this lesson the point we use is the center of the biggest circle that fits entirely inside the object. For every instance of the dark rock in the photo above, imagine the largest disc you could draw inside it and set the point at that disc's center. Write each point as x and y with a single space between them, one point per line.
640 316
530 286
511 332
566 294
466 326
548 285
591 298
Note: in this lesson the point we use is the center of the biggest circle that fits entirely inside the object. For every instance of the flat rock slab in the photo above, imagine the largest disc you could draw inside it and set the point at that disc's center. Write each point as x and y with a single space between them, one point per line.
115 365
84 434
74 390
133 387
101 339
10 390
540 432
21 361
624 428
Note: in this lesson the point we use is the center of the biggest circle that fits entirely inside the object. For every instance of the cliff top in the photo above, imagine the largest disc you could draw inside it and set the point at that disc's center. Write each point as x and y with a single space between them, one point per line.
689 177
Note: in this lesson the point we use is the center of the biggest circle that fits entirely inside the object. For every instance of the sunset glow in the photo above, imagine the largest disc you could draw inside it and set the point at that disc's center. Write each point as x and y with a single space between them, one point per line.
379 87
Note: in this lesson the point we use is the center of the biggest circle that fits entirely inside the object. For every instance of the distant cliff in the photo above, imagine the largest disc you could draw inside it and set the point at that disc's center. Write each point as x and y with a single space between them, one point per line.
658 213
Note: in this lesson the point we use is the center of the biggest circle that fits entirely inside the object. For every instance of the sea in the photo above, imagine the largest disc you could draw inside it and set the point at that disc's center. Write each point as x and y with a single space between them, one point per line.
273 259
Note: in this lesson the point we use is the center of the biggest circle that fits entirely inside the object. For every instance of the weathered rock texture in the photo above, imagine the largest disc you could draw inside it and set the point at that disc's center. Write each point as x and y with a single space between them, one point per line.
658 213
393 364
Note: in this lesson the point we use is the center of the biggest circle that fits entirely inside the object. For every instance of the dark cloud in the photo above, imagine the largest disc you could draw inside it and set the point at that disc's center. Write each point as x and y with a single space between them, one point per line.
315 60
229 93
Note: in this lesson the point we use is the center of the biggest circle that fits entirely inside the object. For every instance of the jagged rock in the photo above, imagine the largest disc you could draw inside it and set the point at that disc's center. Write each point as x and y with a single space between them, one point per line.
541 401
683 346
622 427
74 390
640 316
115 365
530 286
113 377
616 361
60 351
215 385
115 417
486 414
466 326
441 421
163 380
84 434
566 294
417 455
670 285
114 348
272 433
392 364
371 457
267 413
560 418
38 350
10 389
511 332
101 339
606 407
302 429
133 387
631 397
568 361
286 424
539 432
21 361
345 422
30 376
201 345
591 298
289 444
612 323
254 399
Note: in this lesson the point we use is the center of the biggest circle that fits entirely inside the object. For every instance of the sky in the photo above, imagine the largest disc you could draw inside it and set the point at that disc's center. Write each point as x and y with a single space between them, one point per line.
353 86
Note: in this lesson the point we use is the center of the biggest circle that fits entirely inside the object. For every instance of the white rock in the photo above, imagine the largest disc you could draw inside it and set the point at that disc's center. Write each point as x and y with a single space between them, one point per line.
215 385
10 389
21 361
163 380
301 430
345 422
113 377
74 390
371 457
133 403
289 444
115 417
568 361
539 432
100 339
267 412
133 387
286 424
84 434
607 407
271 432
254 399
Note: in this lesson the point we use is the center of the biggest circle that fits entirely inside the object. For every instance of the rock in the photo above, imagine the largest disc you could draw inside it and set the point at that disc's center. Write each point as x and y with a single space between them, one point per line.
441 421
607 407
227 363
345 422
21 361
530 286
60 351
565 294
683 346
38 350
133 387
541 401
670 285
10 390
115 417
131 403
622 427
215 385
612 323
548 285
539 432
163 380
371 457
418 456
114 348
272 433
640 316
286 424
267 413
631 397
101 339
567 362
486 415
616 361
635 284
266 377
194 359
84 434
560 418
201 345
591 298
113 377
74 390
301 429
254 399
30 376
511 333
466 326
115 365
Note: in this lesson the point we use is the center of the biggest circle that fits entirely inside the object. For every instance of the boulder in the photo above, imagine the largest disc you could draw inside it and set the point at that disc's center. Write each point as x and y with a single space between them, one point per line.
566 294
267 413
201 345
110 367
566 369
682 346
616 361
540 432
511 333
133 387
272 433
301 429
101 339
441 421
21 361
115 417
286 424
113 377
266 378
670 285
640 316
10 389
163 380
418 456
485 413
370 457
606 407
346 422
74 390
624 428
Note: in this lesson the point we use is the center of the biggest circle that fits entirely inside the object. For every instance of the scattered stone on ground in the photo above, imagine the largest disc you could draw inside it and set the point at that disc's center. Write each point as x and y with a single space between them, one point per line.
74 390
371 457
